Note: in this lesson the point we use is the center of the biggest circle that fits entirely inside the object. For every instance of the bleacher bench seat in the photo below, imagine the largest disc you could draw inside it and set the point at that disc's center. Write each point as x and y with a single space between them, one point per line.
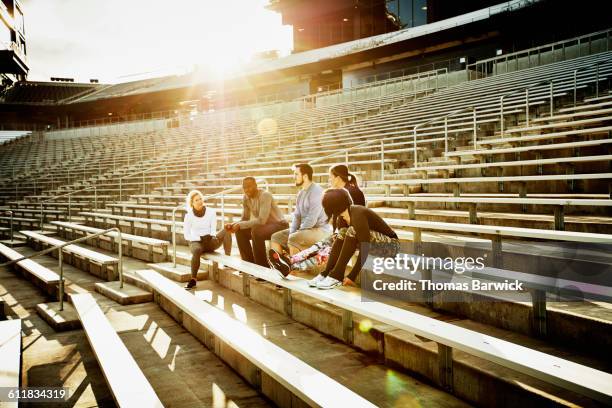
127 383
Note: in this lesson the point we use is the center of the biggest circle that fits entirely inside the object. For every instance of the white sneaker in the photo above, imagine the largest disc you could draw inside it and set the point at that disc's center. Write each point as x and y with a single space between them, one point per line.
313 282
328 283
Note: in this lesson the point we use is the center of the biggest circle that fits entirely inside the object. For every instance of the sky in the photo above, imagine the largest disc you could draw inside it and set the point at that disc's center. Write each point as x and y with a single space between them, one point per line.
125 40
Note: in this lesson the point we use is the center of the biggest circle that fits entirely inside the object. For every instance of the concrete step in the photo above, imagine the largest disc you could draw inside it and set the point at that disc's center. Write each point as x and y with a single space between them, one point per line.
411 353
170 357
133 279
124 294
355 370
14 243
180 273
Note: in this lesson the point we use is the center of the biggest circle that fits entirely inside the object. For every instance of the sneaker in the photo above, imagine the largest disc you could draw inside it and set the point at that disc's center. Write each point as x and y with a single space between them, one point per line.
274 259
191 284
328 283
313 282
285 261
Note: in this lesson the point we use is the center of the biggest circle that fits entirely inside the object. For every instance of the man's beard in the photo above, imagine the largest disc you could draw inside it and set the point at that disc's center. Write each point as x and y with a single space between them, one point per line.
299 184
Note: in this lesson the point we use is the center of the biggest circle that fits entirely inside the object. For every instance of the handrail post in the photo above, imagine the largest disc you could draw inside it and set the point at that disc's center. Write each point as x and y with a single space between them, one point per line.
551 98
414 147
69 210
11 226
382 159
346 158
501 113
61 282
41 216
95 197
597 80
120 265
527 106
223 206
446 134
120 188
174 236
475 127
575 75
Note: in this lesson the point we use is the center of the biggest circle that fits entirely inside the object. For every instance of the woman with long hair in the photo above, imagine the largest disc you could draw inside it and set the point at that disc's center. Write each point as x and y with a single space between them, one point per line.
200 230
339 177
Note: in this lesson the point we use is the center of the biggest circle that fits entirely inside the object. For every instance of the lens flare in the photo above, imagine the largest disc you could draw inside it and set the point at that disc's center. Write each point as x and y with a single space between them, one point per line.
267 127
365 325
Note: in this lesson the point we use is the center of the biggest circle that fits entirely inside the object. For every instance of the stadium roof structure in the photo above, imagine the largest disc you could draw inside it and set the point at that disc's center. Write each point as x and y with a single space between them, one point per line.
310 57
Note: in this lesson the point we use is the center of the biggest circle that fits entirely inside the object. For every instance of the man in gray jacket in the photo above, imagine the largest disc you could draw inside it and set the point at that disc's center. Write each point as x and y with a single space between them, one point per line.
261 217
309 223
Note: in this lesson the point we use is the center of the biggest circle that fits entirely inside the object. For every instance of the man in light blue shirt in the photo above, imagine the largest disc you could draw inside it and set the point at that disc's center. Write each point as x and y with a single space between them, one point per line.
309 224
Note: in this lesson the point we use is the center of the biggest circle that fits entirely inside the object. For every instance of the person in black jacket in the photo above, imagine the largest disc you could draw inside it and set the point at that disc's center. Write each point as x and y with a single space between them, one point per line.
365 227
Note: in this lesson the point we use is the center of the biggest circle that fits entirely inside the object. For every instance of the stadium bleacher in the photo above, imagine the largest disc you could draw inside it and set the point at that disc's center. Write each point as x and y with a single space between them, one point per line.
45 92
441 163
12 136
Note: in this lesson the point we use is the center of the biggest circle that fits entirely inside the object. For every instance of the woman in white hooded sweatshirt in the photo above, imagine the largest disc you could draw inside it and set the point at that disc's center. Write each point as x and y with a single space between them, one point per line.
200 230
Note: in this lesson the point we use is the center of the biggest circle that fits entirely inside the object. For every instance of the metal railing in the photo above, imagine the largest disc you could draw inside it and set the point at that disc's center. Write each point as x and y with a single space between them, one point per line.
447 65
346 151
95 189
596 65
481 65
445 118
10 213
143 172
206 198
526 90
436 73
61 259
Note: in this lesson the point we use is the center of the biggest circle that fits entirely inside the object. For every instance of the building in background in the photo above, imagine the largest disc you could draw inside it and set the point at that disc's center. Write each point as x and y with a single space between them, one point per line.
319 23
13 52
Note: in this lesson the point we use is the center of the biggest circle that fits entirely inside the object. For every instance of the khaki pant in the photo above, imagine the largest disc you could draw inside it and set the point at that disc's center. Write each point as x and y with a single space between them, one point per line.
300 239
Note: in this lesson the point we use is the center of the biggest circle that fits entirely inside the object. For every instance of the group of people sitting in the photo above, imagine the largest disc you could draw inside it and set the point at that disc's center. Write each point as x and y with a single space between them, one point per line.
327 228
